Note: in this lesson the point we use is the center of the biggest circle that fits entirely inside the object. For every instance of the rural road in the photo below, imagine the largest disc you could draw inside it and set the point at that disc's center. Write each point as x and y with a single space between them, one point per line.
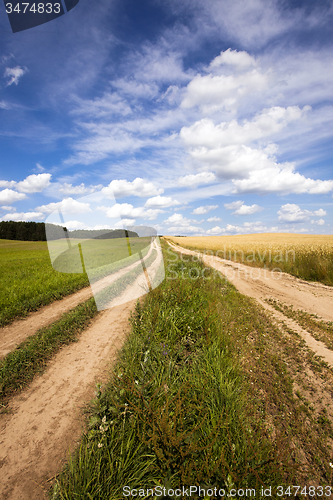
262 284
15 333
47 418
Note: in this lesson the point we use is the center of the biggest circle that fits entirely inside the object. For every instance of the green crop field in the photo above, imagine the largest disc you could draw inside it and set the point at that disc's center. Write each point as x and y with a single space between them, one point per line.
28 280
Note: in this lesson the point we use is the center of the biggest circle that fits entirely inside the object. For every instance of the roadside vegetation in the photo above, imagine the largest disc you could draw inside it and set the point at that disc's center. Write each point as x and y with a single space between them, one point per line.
28 280
19 367
203 393
309 257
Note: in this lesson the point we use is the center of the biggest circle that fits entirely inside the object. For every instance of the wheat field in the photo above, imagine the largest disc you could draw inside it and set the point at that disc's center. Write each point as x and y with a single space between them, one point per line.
306 256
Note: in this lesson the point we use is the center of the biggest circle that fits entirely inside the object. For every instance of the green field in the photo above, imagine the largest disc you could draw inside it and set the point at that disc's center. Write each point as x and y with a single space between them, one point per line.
28 280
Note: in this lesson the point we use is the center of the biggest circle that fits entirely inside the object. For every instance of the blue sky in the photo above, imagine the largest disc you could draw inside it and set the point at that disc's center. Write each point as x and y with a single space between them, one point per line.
194 117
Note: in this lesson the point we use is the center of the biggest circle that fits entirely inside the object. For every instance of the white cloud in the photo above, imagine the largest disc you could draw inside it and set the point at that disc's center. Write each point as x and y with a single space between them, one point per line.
319 222
193 180
8 208
7 184
242 209
212 93
25 217
214 219
124 223
67 206
233 58
10 196
320 212
138 187
81 189
180 220
71 225
4 105
126 210
215 231
280 179
293 213
161 201
247 228
34 183
204 210
270 121
108 105
14 74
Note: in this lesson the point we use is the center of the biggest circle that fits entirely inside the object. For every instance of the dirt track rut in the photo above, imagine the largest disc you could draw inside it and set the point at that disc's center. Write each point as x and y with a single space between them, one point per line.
262 284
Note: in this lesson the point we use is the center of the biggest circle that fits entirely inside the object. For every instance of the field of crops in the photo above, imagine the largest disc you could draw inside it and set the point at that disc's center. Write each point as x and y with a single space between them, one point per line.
28 280
308 257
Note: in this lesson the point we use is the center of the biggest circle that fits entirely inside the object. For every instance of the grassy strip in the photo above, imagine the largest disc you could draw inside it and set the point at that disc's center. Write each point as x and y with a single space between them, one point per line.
28 280
19 367
201 395
320 330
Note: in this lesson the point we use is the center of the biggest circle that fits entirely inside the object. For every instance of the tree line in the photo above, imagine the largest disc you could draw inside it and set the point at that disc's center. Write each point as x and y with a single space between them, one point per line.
36 231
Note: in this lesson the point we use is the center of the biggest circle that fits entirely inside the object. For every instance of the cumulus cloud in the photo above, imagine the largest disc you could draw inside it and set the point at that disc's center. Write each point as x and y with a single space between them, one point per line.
180 220
204 209
34 183
127 211
67 206
240 59
212 93
66 188
138 187
24 217
14 74
9 196
161 201
215 231
193 180
293 213
319 222
320 212
242 209
8 208
7 184
270 121
214 219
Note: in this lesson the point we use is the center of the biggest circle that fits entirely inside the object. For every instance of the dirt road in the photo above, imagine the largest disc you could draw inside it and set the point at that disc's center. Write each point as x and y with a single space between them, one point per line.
15 333
262 284
46 418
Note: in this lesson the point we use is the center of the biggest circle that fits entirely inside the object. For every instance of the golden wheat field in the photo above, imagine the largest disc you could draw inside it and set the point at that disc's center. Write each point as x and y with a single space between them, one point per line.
306 256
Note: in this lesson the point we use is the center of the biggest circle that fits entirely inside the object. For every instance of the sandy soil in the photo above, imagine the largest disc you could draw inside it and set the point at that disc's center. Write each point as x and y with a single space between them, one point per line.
262 284
13 334
47 417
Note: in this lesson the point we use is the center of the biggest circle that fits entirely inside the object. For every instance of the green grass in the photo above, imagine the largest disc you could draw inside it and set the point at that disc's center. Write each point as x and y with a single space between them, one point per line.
20 366
28 280
201 395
